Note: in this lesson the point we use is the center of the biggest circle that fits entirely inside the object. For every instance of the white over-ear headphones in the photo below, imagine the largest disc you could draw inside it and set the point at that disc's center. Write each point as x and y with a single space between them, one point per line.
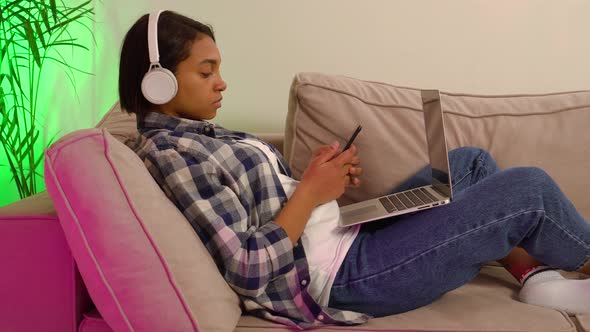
159 84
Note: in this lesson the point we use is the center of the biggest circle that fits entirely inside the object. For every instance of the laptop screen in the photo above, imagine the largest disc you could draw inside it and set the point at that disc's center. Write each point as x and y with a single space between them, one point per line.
437 143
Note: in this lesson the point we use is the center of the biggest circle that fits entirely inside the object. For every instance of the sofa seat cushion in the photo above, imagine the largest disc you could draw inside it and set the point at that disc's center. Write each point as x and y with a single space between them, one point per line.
485 304
584 321
549 131
144 265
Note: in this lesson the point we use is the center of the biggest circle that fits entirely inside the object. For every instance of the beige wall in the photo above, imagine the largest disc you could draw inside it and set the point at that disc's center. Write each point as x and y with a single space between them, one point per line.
501 46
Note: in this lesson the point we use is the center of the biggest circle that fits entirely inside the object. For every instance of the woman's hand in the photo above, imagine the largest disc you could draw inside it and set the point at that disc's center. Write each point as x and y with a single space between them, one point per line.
323 180
329 173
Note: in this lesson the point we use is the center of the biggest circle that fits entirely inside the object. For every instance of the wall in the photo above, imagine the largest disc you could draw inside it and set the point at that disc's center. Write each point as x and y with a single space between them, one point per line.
501 46
492 47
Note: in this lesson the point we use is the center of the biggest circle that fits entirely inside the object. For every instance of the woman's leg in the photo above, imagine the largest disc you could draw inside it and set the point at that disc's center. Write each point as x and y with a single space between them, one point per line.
437 250
470 165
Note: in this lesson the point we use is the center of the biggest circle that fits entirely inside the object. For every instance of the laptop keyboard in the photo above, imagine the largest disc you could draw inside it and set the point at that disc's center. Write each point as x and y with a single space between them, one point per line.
406 199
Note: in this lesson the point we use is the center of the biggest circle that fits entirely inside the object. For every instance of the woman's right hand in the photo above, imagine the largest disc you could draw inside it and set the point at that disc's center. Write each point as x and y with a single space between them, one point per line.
327 174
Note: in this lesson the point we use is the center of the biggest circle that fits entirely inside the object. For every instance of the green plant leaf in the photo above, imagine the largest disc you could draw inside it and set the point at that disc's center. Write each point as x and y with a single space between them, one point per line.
40 34
14 75
45 21
34 28
28 144
33 43
68 43
12 125
8 6
53 10
70 19
4 50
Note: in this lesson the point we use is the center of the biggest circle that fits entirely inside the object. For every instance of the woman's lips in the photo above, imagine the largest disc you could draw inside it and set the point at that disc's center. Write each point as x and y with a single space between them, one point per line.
217 103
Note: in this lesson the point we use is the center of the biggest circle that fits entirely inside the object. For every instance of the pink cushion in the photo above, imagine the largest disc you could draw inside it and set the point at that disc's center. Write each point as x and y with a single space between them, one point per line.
143 264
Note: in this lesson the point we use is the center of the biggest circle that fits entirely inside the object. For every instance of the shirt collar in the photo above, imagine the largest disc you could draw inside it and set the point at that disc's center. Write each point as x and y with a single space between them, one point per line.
156 120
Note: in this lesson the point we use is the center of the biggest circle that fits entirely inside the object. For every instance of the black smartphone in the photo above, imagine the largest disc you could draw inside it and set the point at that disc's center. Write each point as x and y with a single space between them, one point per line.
351 139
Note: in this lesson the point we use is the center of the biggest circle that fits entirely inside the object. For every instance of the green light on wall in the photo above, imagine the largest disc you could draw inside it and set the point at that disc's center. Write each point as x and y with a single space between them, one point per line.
41 41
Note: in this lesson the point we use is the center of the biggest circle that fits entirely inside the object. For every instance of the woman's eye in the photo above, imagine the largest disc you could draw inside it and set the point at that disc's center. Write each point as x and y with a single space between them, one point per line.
205 75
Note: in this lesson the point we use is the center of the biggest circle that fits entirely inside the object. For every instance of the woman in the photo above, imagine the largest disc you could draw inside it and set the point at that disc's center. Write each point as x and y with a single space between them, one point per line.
275 240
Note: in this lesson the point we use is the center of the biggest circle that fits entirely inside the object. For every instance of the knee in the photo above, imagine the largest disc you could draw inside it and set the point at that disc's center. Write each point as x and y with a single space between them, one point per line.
475 154
471 152
534 177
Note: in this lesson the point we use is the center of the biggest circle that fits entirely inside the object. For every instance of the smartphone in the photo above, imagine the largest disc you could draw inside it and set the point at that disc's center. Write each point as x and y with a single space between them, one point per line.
351 139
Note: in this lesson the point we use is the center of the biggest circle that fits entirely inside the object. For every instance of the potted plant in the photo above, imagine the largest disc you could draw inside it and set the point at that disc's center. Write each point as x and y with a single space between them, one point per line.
33 33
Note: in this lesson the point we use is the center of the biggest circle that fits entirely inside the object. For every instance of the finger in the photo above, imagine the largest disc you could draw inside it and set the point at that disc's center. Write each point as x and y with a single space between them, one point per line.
320 150
356 182
356 161
329 153
346 156
345 169
356 171
347 180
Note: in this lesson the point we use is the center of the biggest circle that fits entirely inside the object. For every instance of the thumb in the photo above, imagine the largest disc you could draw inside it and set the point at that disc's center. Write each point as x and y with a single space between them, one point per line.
329 154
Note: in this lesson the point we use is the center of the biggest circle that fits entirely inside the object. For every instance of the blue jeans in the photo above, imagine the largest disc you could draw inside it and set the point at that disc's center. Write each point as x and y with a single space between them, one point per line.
405 262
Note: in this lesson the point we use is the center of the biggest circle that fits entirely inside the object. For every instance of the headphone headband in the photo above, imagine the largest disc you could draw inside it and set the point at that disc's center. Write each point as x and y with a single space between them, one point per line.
159 84
153 36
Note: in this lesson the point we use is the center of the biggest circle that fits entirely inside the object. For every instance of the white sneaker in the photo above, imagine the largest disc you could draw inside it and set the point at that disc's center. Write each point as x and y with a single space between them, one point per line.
551 290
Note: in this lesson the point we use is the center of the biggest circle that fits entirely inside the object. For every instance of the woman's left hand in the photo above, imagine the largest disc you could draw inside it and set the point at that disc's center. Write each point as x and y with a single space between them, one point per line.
355 171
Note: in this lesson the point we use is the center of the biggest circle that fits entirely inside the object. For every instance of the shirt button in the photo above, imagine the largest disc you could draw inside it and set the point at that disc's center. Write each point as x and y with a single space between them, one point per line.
320 317
303 282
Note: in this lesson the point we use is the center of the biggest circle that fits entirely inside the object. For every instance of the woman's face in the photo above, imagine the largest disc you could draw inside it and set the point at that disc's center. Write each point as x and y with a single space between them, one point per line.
199 83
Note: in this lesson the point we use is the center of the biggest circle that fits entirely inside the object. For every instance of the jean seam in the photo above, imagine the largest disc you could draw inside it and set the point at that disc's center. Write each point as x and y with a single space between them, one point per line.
574 238
463 178
449 241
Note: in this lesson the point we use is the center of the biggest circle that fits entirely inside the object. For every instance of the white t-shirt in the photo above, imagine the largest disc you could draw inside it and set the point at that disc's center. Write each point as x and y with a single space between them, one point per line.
325 243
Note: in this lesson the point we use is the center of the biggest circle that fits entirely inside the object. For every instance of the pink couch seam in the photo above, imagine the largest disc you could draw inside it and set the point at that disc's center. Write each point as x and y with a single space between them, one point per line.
83 236
150 239
68 141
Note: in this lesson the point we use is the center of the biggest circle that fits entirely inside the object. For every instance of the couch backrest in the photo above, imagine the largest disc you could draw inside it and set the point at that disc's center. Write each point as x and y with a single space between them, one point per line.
544 130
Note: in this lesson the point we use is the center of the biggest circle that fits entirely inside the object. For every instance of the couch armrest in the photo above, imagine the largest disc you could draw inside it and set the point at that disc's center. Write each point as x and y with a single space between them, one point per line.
41 287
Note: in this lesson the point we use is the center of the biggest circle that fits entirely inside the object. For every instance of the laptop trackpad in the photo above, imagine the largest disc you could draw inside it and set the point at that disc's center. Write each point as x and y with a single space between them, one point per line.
366 210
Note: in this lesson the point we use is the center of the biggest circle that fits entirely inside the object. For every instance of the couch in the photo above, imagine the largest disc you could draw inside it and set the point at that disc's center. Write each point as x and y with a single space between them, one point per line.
104 250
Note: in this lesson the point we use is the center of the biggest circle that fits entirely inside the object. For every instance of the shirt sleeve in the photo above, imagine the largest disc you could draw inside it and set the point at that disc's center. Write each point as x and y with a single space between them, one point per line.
247 255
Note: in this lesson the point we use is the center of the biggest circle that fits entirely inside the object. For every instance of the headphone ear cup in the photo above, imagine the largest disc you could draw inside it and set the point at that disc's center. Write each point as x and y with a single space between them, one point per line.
159 86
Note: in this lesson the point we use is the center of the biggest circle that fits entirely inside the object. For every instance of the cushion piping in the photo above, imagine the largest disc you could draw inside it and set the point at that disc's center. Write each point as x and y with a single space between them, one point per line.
456 94
446 111
155 247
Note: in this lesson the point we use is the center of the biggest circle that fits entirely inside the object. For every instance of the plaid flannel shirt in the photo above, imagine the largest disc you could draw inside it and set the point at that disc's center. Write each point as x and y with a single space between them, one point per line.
231 194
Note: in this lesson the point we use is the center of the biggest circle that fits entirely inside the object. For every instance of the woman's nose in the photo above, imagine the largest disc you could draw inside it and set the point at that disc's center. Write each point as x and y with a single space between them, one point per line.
221 85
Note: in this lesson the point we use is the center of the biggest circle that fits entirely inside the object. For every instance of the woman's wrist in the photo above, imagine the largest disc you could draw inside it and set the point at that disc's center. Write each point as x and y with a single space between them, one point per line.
304 194
295 214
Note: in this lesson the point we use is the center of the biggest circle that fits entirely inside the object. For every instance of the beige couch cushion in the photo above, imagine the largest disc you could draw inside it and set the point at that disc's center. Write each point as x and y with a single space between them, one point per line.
486 304
584 322
549 131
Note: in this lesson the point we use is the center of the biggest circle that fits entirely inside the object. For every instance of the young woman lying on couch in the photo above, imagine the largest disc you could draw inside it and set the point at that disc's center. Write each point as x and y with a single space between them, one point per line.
255 220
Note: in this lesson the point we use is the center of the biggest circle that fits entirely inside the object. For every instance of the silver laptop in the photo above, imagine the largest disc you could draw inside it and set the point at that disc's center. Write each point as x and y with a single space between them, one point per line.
438 193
